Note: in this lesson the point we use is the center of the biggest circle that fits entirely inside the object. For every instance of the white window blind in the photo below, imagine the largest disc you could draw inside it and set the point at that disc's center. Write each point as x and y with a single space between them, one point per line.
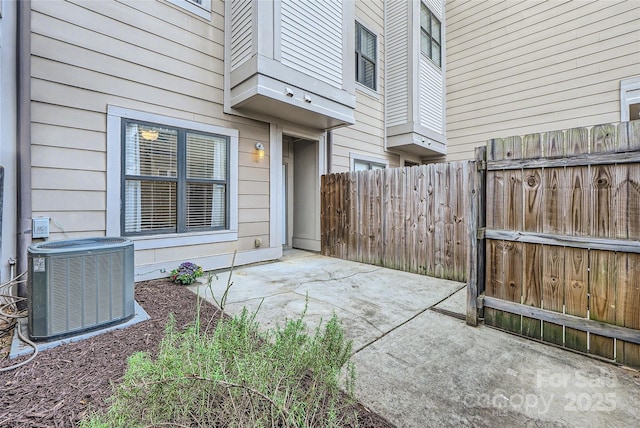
175 180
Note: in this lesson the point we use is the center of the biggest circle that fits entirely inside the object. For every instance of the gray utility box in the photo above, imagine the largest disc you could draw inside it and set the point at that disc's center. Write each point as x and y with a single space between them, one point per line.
79 285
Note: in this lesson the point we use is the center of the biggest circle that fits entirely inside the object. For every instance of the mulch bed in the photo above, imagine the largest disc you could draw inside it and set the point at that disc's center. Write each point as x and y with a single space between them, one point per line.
62 384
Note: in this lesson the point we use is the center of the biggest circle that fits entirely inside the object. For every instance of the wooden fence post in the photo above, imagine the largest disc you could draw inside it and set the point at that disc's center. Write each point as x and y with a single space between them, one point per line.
476 222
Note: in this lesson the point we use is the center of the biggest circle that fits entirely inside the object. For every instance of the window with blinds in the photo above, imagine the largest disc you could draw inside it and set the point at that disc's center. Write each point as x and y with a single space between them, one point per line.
175 180
365 56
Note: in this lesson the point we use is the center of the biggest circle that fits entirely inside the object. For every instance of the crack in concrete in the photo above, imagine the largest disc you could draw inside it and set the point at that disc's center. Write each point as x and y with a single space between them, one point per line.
340 278
340 307
405 322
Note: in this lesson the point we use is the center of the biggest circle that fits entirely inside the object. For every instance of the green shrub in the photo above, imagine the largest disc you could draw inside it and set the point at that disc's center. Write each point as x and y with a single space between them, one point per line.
236 376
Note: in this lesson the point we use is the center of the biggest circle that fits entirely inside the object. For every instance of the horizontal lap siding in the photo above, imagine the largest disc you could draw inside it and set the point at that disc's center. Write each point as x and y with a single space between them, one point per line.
522 67
366 137
148 56
311 38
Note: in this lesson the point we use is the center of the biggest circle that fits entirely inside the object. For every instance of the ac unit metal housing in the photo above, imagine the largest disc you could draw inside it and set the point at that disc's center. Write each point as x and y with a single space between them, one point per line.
79 285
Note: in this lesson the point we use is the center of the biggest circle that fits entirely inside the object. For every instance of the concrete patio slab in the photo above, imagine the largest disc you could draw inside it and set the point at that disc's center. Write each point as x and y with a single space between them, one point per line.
420 368
437 371
369 300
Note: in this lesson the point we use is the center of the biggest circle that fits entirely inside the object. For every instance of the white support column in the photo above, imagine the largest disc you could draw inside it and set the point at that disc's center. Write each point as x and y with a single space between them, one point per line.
276 214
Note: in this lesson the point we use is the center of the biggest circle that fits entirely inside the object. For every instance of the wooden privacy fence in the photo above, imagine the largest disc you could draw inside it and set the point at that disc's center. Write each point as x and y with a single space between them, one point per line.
413 219
562 259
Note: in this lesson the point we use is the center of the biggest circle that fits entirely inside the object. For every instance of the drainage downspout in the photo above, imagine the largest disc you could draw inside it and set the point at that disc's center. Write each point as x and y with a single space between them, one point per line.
24 139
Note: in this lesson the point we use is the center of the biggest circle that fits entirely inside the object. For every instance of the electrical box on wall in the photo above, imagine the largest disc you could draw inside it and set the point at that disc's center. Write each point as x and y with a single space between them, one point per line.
40 227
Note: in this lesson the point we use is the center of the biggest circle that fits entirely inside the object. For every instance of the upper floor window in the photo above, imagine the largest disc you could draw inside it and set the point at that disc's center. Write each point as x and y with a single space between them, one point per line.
174 180
430 35
365 57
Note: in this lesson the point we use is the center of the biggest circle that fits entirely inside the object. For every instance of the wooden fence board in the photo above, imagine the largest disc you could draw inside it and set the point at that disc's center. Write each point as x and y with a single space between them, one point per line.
422 253
531 146
553 200
576 290
627 304
602 199
603 138
361 214
602 298
353 214
512 284
460 239
338 202
474 218
438 233
400 223
553 291
577 220
532 253
448 221
494 280
495 219
553 143
577 141
633 202
514 216
388 226
375 250
430 177
532 287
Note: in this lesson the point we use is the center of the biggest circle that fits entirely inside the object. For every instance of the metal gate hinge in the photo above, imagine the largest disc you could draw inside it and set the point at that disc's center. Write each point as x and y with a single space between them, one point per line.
482 165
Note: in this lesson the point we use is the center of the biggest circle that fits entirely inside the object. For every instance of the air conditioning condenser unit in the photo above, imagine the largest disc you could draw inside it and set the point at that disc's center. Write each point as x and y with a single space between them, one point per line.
79 285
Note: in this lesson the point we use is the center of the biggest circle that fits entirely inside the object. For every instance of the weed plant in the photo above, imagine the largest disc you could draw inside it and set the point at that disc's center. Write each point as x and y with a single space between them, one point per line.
235 376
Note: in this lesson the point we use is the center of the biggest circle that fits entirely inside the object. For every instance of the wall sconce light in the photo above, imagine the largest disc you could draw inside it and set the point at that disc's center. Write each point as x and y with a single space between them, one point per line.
149 134
260 149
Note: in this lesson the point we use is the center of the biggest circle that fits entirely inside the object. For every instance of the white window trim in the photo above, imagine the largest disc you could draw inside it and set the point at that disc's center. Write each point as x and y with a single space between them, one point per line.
353 157
629 94
114 180
202 10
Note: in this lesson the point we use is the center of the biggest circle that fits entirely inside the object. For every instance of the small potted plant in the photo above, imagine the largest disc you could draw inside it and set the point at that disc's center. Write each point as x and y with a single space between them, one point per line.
186 273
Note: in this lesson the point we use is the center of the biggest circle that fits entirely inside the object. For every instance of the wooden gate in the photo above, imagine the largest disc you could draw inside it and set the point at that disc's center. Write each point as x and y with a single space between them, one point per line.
562 260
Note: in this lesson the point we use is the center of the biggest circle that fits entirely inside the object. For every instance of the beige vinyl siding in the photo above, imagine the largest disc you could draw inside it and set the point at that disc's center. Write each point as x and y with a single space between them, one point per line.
311 38
366 137
150 56
522 66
